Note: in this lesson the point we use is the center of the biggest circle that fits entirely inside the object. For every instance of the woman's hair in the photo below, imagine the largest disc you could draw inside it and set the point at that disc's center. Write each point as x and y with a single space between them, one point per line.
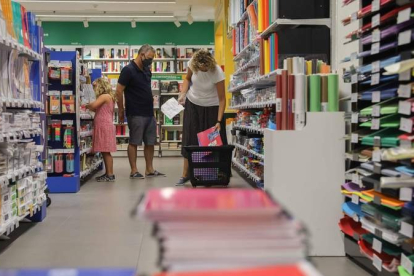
102 86
203 59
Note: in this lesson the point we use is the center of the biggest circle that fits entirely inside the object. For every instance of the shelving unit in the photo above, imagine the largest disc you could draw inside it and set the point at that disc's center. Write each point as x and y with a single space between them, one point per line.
259 49
22 131
368 138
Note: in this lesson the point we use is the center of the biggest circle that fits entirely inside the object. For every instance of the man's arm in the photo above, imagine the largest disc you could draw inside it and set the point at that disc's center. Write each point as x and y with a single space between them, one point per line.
120 97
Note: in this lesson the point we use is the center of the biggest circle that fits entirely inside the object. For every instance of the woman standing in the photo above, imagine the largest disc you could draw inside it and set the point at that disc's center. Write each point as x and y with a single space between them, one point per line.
204 90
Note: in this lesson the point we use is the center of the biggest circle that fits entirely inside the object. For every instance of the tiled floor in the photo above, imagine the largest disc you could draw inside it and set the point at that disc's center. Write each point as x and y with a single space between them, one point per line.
93 228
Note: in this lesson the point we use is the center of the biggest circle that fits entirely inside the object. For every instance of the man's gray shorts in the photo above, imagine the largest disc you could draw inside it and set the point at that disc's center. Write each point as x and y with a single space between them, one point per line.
142 129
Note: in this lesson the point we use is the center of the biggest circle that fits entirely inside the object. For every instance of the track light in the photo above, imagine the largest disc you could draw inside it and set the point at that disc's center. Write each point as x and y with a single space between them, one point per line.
133 24
190 18
177 23
86 23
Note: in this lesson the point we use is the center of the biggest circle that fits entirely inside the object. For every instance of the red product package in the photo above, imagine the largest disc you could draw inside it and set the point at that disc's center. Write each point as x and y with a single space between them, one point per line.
209 138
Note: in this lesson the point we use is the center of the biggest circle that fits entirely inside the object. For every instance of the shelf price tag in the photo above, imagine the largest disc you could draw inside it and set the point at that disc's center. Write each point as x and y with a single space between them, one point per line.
377 245
278 105
375 20
354 16
376 96
404 108
407 229
376 111
355 199
354 56
354 79
354 138
354 118
375 5
406 125
376 36
406 194
404 15
406 263
404 37
375 79
356 179
376 156
354 97
404 90
375 66
375 48
377 263
375 124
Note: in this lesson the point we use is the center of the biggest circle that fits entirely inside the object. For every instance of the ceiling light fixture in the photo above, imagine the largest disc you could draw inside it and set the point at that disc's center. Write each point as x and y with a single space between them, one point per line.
39 23
86 23
190 18
98 2
177 23
133 24
101 16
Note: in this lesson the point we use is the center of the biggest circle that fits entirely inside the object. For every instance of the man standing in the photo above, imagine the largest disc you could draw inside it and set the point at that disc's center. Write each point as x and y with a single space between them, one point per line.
135 80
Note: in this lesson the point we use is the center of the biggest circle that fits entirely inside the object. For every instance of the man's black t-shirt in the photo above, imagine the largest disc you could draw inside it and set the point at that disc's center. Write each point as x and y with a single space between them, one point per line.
138 93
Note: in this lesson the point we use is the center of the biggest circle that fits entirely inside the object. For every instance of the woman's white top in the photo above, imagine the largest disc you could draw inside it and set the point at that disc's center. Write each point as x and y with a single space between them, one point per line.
203 89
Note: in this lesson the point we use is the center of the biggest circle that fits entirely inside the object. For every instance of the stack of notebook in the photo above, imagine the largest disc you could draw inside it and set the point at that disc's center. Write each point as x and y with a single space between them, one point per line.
216 229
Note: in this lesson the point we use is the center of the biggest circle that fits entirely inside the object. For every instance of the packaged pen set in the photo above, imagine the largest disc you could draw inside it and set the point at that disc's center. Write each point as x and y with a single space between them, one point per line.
61 102
61 134
60 163
60 71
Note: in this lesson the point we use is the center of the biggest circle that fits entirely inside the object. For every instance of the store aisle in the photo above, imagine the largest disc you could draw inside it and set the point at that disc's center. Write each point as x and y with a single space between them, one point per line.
94 229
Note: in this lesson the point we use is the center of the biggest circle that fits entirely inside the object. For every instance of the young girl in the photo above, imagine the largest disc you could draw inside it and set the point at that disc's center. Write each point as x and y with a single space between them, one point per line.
104 140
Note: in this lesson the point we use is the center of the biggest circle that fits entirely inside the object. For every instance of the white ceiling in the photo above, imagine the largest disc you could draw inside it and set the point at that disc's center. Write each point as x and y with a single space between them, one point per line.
201 10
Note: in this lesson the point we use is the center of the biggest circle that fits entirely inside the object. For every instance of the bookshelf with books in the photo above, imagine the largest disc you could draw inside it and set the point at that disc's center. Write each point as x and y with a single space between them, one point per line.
268 37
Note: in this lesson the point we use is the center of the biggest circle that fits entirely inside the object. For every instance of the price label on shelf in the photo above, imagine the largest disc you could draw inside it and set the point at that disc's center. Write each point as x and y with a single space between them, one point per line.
404 15
375 66
355 199
407 229
355 178
375 20
354 97
406 194
375 79
354 79
354 16
377 245
406 263
376 36
376 96
375 48
376 111
404 90
375 124
354 138
404 37
406 125
375 5
354 56
354 118
377 262
404 107
376 155
278 105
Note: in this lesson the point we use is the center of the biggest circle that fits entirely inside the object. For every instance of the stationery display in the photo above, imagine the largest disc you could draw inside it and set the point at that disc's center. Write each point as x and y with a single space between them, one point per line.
22 120
215 220
381 175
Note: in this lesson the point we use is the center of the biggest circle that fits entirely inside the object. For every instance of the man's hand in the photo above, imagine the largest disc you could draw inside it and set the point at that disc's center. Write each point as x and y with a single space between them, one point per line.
121 116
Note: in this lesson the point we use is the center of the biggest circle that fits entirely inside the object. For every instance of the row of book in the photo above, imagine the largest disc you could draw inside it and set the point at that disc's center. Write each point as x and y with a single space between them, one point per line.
174 135
224 232
93 53
108 66
20 24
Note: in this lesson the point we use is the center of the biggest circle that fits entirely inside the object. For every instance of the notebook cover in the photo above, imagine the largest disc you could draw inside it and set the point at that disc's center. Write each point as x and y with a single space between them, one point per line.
291 99
210 137
284 100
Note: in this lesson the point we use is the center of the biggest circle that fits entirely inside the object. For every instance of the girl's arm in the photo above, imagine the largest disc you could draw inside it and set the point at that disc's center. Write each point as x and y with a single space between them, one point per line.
186 86
221 92
99 101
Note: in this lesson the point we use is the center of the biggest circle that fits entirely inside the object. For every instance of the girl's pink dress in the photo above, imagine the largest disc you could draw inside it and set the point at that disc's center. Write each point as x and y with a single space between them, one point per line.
104 133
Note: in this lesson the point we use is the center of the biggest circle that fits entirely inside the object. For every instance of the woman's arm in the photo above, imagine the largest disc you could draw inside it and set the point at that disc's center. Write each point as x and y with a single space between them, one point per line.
186 86
99 101
221 92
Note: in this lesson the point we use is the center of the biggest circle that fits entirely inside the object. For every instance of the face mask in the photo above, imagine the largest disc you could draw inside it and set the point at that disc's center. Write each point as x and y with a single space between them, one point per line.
146 62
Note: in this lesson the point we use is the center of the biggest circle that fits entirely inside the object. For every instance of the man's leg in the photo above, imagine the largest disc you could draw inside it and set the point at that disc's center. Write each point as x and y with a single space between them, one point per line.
132 156
149 158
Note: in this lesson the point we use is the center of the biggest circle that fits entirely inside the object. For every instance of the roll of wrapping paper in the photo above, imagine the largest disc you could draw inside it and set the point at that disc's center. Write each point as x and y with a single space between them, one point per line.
324 91
278 102
267 56
291 102
300 101
260 15
315 93
296 66
308 67
290 65
333 93
262 57
284 100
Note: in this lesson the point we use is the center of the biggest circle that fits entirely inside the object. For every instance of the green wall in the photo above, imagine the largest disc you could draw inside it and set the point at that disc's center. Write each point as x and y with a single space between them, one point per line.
119 33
